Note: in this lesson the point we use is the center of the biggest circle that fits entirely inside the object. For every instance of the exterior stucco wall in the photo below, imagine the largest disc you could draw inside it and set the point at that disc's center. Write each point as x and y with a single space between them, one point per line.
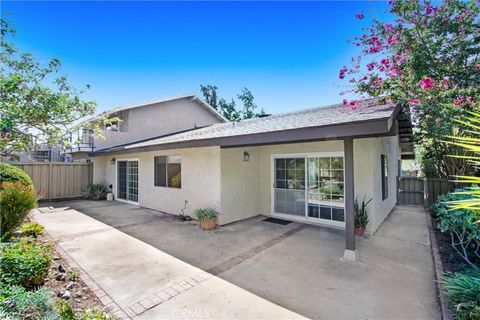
99 169
238 189
240 184
369 178
247 186
156 120
200 179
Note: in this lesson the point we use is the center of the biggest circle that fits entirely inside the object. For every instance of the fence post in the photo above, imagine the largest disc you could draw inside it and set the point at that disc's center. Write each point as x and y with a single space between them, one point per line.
50 181
425 190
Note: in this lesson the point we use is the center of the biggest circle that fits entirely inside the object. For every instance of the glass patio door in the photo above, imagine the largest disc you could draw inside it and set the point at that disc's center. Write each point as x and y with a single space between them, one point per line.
310 187
127 180
289 186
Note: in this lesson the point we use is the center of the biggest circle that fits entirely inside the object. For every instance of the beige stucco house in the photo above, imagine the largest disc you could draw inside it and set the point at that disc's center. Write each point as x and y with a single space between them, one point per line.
306 166
145 121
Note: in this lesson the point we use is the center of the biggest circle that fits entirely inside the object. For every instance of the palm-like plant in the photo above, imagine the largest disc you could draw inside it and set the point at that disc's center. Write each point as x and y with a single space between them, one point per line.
471 145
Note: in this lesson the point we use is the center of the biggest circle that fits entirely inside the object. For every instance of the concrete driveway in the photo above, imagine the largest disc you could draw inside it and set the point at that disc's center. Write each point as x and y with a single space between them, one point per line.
297 266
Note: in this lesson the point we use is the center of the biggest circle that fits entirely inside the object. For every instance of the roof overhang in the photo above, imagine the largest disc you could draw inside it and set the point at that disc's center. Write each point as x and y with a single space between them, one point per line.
405 135
360 129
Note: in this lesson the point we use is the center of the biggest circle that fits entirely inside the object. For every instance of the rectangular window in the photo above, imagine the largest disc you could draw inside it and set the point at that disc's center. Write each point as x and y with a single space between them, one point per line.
384 168
168 171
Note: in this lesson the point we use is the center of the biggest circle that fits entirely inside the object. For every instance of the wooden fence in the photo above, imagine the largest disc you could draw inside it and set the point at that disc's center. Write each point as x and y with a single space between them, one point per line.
59 180
422 191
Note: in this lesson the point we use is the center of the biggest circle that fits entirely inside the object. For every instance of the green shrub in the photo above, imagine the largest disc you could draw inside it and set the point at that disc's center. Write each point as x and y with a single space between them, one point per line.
73 275
205 214
64 310
94 315
463 291
97 191
24 263
66 313
32 229
17 303
16 201
9 173
461 225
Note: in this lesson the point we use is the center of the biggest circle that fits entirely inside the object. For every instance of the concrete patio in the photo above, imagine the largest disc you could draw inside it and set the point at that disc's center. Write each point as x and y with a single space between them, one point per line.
295 266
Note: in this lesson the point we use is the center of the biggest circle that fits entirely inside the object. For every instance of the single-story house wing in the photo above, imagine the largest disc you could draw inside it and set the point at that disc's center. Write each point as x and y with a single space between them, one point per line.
306 166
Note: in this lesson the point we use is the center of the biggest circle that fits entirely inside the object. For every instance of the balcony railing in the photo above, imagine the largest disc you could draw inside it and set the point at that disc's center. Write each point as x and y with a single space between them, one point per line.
84 141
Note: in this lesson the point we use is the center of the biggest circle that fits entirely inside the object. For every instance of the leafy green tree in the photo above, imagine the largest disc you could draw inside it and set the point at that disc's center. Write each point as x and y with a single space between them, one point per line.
427 59
229 108
36 104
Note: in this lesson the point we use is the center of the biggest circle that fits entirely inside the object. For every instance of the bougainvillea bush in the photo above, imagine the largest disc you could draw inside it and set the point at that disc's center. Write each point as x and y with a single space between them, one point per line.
426 58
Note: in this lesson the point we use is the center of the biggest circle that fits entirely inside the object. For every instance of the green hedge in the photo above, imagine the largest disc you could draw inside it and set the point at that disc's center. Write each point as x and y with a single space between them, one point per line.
9 173
16 201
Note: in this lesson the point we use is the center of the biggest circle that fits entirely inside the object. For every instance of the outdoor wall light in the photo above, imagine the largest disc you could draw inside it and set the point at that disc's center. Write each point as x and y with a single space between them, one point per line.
246 156
112 161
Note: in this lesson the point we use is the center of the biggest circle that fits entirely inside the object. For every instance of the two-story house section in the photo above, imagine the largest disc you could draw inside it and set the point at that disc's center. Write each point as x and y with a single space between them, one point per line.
145 121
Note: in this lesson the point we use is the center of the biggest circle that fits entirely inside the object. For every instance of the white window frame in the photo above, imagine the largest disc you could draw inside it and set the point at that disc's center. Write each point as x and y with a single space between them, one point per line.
306 218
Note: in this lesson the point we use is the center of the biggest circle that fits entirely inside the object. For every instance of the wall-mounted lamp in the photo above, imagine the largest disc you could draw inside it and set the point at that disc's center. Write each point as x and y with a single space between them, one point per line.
246 156
112 161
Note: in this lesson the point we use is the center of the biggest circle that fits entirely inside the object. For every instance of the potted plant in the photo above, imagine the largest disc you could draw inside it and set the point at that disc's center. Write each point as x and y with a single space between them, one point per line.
207 217
361 216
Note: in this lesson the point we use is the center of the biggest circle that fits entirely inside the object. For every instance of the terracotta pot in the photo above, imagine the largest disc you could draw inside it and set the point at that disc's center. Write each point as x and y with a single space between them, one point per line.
208 224
359 231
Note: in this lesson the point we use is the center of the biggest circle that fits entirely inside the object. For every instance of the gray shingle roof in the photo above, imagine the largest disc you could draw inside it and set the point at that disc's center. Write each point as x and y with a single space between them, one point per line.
314 117
333 121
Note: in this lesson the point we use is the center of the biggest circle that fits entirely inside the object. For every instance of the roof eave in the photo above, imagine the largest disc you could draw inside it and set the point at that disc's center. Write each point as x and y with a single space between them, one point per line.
360 129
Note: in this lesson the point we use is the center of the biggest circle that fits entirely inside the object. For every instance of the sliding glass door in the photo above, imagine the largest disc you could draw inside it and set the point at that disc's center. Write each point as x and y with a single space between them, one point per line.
127 180
310 187
289 186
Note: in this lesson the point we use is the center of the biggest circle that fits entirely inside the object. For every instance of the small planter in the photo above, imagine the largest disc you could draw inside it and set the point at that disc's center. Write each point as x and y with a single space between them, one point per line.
208 224
207 217
359 232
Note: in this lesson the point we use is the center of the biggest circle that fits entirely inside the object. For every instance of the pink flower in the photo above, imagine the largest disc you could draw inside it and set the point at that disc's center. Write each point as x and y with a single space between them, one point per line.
414 102
360 16
426 83
388 27
353 104
344 102
459 17
392 40
458 102
478 65
378 81
342 72
371 66
428 10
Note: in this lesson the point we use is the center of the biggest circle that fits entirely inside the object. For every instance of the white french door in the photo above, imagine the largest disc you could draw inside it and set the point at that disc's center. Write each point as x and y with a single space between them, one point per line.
309 187
127 181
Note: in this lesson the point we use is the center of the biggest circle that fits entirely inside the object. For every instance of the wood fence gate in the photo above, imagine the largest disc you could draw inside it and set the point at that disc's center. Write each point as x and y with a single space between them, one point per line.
59 180
421 191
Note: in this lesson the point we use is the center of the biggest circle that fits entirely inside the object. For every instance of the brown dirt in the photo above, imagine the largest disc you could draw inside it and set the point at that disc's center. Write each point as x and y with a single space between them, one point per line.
62 277
451 261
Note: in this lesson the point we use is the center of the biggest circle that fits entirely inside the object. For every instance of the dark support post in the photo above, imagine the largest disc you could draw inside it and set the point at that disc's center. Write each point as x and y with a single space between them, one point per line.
350 253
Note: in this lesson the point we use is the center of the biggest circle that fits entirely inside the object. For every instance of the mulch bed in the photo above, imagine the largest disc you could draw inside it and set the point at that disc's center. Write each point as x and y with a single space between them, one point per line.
450 259
64 282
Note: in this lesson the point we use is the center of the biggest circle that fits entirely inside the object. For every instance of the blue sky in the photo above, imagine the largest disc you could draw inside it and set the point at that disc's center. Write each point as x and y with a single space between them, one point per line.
287 53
